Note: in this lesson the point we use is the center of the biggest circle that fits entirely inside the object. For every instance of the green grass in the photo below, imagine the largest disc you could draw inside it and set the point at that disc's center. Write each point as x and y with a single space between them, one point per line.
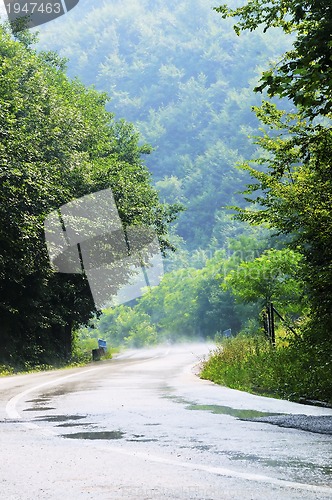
6 370
249 363
80 357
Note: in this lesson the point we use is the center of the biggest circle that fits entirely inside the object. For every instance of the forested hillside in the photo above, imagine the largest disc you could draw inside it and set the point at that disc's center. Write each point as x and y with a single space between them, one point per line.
185 80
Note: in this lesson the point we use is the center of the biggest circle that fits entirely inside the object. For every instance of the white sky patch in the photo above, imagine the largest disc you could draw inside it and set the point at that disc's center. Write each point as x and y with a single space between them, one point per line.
3 12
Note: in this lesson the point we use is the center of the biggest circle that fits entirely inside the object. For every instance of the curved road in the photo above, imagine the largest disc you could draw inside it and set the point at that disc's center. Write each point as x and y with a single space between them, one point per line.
144 426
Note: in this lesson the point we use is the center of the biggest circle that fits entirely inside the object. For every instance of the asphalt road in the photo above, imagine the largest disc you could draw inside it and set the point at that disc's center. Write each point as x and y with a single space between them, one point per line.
144 426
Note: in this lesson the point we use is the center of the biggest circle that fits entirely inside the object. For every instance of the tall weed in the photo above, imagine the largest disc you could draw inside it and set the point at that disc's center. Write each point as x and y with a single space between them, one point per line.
289 371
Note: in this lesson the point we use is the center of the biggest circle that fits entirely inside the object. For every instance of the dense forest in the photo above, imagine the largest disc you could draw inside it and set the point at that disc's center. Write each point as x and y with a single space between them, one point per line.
185 81
248 194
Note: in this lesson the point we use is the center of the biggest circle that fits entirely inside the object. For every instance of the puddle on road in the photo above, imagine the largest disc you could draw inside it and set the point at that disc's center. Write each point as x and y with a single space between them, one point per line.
10 421
74 424
108 435
227 410
216 409
140 440
69 388
39 400
177 399
40 408
60 418
202 447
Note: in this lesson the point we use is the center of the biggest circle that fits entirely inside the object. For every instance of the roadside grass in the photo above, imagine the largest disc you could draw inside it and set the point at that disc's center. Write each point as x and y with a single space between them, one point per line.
81 356
289 371
82 352
6 370
27 367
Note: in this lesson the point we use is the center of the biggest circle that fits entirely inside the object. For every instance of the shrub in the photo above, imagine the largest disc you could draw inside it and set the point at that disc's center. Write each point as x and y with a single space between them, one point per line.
294 370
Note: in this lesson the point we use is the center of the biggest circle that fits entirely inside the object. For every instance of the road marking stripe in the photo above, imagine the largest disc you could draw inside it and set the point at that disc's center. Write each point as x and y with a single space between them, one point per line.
222 471
11 405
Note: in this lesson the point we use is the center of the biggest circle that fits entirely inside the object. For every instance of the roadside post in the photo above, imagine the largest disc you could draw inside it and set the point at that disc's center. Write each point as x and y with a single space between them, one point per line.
227 333
101 351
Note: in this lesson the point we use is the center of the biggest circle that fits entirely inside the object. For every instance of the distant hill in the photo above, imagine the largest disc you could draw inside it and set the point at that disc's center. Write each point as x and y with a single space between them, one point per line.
185 79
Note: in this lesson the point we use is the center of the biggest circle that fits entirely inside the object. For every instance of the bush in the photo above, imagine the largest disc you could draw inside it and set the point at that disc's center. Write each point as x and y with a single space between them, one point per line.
293 370
6 370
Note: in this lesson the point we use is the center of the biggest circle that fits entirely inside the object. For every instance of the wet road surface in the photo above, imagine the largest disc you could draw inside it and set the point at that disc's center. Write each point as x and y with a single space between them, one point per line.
144 426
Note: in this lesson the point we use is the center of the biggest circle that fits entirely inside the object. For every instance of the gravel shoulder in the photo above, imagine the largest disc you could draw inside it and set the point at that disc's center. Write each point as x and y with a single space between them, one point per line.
321 424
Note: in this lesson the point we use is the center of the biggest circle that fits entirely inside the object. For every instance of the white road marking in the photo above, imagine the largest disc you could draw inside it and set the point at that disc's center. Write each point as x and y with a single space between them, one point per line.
11 409
223 471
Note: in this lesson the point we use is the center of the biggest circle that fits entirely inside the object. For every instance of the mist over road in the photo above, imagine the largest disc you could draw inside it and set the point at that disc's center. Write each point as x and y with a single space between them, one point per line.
144 426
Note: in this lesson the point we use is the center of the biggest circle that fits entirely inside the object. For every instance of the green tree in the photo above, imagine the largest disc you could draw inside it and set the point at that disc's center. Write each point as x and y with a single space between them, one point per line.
296 197
58 143
189 302
304 73
293 190
125 326
272 277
